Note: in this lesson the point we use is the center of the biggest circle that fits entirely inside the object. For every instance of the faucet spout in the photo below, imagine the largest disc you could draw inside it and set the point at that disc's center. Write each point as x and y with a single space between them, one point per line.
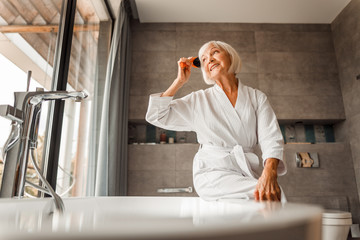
57 95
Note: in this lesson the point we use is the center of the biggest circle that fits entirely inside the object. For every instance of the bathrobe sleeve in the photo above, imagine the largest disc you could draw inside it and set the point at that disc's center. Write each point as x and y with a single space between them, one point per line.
177 115
269 134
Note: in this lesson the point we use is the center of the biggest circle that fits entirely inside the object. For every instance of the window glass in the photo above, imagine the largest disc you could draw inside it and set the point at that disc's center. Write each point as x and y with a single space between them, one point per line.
28 34
90 45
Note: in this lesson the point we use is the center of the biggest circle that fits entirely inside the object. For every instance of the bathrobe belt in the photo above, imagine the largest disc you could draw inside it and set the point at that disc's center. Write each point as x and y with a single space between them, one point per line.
241 155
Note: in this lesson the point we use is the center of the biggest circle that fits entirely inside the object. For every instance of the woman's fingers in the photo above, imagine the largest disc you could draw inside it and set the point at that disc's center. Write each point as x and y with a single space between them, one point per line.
184 62
256 195
263 195
184 70
268 196
267 188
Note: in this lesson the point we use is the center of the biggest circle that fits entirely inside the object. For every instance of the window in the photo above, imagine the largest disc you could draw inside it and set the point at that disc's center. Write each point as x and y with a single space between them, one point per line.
27 43
28 35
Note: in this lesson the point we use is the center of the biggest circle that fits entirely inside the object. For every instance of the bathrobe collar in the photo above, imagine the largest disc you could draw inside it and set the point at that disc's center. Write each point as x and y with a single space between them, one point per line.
235 115
241 100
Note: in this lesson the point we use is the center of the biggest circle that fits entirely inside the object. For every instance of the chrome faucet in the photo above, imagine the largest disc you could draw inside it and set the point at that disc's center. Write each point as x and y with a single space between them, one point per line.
22 141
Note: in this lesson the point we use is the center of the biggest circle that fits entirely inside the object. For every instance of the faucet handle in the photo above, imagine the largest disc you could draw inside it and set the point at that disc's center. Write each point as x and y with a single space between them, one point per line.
11 113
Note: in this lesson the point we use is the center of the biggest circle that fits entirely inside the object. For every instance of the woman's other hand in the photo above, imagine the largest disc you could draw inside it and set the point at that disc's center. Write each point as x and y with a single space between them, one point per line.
184 70
267 188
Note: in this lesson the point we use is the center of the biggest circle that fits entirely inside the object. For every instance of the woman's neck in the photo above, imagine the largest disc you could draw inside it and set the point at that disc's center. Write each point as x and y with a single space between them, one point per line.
229 84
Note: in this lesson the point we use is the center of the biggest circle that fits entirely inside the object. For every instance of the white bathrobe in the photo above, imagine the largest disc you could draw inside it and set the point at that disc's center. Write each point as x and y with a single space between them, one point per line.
225 165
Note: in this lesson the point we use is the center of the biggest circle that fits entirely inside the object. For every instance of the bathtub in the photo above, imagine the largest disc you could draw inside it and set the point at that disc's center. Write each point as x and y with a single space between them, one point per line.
157 218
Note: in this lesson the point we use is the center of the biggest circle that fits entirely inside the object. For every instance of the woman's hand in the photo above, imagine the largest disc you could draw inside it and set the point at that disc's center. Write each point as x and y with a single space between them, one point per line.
182 77
184 70
267 188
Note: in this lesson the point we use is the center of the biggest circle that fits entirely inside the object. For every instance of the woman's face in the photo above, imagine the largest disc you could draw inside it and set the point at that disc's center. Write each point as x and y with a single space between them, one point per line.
215 62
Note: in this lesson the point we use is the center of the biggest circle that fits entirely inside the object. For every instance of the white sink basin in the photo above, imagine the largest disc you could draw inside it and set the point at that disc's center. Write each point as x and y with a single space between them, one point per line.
157 218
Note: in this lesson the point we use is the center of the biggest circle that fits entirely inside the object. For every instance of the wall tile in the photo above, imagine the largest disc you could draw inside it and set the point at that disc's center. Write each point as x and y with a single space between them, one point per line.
184 155
345 31
294 42
341 131
137 26
185 179
355 151
353 202
151 157
330 185
348 19
357 170
226 27
138 107
191 137
347 24
347 77
209 27
146 183
300 84
335 202
153 41
308 107
319 180
332 155
249 79
293 27
354 127
296 62
192 41
352 100
186 53
144 84
347 50
249 62
160 62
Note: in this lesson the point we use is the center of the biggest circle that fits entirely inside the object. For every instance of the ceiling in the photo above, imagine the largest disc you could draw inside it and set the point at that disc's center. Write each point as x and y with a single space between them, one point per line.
240 11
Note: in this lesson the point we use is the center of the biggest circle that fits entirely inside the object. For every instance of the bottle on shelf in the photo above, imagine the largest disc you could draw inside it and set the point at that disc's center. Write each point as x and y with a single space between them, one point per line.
163 137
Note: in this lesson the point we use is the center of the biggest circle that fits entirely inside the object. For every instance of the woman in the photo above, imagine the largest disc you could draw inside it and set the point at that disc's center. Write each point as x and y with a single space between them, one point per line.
229 119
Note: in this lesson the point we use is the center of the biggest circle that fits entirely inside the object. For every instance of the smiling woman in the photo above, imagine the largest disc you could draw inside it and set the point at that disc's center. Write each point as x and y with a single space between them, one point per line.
219 47
229 119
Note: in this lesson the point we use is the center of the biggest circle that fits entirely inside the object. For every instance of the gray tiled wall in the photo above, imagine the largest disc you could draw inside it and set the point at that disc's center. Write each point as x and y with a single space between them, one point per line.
160 166
331 185
294 64
346 36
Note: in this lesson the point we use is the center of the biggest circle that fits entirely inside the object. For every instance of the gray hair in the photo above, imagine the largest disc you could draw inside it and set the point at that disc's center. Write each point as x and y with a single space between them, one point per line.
235 66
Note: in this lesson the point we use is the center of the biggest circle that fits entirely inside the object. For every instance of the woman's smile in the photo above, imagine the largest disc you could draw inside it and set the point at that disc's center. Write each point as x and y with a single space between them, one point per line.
214 66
